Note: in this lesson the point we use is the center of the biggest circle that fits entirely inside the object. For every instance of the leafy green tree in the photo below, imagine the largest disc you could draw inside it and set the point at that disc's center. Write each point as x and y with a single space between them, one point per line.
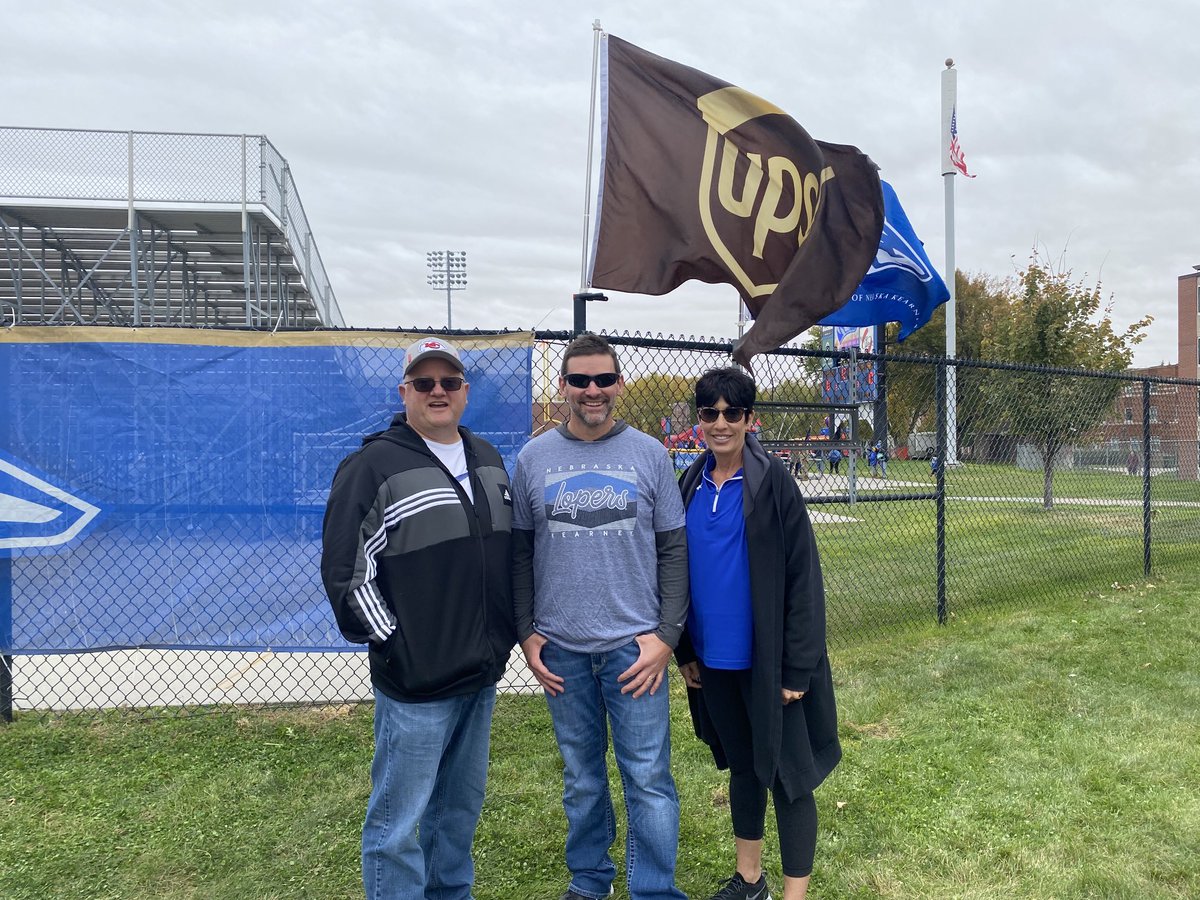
1052 320
980 301
648 399
791 424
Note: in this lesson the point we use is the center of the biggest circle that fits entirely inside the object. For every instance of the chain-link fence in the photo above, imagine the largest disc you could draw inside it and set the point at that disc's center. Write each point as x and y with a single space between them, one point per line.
201 587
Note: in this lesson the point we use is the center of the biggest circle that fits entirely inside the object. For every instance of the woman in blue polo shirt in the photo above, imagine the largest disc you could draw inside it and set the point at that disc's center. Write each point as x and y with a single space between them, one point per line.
753 653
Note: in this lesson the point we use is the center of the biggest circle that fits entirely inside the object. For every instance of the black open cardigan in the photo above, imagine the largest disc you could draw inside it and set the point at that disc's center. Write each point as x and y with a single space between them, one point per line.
797 743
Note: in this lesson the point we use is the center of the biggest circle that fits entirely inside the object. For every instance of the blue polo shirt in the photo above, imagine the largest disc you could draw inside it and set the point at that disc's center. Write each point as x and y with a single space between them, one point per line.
719 618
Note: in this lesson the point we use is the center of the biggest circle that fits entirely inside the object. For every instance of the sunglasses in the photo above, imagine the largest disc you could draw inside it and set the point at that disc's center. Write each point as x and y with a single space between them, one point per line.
603 380
425 385
709 414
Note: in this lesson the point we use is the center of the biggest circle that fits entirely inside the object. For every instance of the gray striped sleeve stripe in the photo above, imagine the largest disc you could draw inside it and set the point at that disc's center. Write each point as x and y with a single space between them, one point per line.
400 511
377 540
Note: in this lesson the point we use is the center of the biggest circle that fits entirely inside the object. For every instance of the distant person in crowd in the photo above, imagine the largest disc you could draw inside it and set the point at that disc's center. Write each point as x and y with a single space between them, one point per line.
753 654
835 460
600 587
797 464
1132 463
417 564
934 462
819 459
882 457
873 460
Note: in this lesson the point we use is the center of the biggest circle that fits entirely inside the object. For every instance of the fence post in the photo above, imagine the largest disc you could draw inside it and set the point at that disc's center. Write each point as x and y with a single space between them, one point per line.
6 684
1146 479
580 302
285 176
940 477
134 245
880 417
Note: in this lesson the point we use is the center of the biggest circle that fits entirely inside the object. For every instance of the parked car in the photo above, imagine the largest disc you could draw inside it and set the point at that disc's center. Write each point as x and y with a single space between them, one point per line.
922 444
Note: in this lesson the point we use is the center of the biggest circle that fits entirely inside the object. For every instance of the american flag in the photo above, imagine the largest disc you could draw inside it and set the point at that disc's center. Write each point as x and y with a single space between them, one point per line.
956 154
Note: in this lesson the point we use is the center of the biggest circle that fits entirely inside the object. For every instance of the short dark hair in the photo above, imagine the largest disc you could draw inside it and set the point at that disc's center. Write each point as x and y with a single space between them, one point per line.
733 384
589 344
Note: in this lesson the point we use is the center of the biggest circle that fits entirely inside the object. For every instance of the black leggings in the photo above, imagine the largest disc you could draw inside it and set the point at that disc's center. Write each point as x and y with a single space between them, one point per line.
727 697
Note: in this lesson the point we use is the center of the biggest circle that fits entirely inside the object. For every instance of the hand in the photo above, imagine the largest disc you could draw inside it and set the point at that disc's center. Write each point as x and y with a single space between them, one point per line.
649 671
691 674
791 696
532 648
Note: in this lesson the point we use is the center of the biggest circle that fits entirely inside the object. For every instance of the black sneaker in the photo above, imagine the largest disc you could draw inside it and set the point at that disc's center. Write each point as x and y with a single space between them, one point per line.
736 888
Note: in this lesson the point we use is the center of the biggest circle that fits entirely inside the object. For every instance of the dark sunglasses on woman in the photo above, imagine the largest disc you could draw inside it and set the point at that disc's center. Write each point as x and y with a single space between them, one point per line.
603 380
425 385
709 414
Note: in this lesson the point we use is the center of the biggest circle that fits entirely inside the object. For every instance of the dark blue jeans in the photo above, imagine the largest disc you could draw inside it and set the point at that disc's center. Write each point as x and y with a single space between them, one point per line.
591 699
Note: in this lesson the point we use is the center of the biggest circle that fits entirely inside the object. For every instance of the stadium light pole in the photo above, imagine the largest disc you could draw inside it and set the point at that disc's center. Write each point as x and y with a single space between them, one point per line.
447 272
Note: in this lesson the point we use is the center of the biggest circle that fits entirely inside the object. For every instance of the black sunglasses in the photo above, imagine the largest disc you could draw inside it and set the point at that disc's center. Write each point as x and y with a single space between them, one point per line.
603 380
425 385
709 414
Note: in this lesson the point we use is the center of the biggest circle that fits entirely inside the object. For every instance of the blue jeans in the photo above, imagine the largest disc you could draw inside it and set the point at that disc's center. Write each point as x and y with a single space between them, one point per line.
427 783
592 698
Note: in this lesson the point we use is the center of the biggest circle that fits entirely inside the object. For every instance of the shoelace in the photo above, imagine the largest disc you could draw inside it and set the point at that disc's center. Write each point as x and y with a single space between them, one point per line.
731 888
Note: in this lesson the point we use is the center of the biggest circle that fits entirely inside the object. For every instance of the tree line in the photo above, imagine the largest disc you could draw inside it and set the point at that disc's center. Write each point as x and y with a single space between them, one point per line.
1042 316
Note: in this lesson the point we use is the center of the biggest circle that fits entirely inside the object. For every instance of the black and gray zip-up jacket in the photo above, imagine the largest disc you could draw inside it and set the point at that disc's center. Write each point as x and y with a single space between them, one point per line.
416 571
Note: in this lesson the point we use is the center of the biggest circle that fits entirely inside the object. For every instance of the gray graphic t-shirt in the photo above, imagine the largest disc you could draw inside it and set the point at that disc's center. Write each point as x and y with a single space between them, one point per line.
594 508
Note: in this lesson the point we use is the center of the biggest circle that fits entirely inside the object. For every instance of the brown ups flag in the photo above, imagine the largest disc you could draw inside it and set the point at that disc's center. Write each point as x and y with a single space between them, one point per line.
703 180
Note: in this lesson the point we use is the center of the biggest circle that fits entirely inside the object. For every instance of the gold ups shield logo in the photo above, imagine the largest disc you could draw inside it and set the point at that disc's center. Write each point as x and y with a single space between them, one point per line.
779 198
705 181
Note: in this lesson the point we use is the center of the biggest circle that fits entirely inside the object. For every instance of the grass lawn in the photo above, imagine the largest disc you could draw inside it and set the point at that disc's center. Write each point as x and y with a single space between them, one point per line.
1046 752
880 558
1003 480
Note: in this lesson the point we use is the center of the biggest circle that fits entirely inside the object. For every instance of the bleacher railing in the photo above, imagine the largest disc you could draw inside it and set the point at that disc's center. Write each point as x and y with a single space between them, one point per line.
68 164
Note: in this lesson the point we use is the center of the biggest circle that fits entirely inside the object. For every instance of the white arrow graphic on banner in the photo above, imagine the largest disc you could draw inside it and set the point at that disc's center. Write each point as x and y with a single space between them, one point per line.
14 509
18 511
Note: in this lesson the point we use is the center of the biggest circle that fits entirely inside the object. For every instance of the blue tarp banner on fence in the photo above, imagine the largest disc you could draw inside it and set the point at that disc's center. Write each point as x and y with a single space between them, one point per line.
161 491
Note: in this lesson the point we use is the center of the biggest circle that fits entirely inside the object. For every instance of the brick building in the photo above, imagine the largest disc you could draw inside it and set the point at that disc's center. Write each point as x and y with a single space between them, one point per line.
1174 410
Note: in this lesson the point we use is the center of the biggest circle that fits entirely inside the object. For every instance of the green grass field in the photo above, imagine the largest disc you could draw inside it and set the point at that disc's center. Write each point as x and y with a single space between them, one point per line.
1007 480
1051 751
881 564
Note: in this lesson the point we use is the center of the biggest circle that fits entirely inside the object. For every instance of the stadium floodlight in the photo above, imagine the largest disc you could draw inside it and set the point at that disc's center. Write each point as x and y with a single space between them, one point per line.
447 272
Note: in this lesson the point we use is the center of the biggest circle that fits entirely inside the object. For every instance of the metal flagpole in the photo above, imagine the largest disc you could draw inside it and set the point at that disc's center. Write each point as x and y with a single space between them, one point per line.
580 300
587 185
949 99
6 660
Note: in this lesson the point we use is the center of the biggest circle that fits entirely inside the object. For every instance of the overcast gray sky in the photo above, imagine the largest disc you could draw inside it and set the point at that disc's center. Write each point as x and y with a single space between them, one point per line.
462 124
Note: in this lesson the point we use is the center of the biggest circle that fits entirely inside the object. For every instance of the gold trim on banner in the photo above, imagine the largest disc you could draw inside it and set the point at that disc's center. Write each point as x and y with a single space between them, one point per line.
97 334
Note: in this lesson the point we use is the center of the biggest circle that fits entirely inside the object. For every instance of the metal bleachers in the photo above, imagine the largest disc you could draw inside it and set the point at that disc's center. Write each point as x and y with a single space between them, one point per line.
150 228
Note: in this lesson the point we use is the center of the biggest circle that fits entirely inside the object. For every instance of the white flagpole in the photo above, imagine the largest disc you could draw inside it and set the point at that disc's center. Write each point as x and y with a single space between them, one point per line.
949 101
587 184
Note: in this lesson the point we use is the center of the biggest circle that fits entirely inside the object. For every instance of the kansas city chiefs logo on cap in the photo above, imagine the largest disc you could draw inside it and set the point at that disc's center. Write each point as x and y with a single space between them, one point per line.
433 345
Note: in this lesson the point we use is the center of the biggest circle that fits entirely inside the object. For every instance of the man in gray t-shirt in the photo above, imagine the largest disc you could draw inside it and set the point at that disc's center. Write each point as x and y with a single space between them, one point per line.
600 593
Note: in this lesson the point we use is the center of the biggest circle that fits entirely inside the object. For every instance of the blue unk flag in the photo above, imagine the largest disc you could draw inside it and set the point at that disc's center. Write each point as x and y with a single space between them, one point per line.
901 285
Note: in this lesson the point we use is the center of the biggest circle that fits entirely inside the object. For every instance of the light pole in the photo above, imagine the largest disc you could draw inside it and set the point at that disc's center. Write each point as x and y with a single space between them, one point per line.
447 272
